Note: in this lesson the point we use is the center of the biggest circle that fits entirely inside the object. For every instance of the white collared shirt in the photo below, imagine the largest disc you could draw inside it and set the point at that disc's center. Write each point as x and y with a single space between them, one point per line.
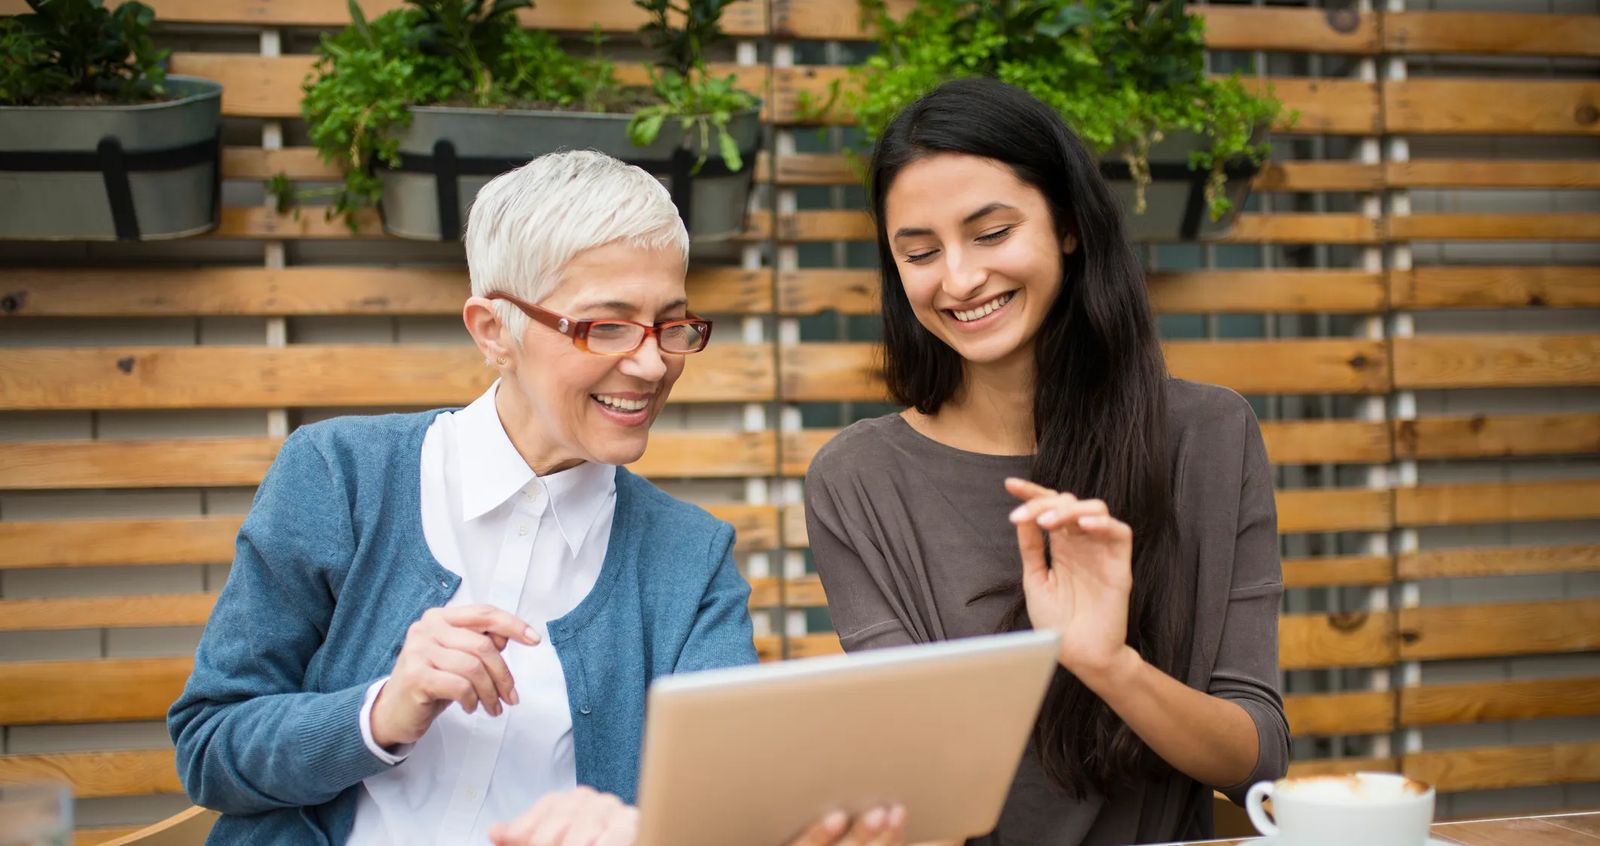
528 544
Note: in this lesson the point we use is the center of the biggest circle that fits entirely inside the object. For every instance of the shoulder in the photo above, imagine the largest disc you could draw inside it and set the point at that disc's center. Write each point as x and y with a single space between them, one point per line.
1196 409
861 445
357 442
672 521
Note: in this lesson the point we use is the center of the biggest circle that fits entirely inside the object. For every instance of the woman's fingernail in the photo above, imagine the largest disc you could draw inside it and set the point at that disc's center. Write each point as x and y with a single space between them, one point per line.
513 698
530 634
1019 513
897 816
835 822
1048 517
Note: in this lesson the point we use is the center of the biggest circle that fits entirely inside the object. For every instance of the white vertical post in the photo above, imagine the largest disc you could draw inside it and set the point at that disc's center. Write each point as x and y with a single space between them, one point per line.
275 254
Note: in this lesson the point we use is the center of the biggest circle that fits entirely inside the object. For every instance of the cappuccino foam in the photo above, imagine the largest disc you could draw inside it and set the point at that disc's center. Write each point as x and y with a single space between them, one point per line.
1352 788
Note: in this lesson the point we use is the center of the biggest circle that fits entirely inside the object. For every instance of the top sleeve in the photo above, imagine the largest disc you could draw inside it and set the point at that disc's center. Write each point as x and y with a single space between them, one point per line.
249 737
861 610
721 634
1247 659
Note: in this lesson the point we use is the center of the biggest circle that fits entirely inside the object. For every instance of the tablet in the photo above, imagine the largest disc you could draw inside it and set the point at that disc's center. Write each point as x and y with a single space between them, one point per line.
751 756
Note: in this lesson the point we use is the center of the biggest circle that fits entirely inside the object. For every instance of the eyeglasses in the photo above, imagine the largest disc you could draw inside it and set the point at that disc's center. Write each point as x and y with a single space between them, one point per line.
619 337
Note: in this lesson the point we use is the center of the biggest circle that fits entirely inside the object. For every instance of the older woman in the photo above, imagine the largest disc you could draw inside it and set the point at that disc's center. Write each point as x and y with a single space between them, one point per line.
436 620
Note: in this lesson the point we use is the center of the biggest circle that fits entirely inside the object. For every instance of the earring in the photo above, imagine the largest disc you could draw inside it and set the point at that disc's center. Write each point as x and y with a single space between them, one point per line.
500 362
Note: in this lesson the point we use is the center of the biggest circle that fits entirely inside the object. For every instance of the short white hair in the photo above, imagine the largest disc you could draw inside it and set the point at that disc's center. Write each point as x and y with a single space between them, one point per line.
528 223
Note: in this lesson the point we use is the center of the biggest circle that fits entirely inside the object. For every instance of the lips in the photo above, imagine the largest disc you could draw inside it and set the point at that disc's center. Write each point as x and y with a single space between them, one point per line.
982 310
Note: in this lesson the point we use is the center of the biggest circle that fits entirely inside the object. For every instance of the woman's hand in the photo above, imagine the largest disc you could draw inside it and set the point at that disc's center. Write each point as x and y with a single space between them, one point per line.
450 655
581 817
877 827
1082 590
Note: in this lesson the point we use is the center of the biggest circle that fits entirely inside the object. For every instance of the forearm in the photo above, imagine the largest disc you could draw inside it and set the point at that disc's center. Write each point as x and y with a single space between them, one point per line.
1210 739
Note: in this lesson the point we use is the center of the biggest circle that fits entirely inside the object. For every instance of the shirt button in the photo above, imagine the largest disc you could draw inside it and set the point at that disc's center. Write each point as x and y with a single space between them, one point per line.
522 530
471 793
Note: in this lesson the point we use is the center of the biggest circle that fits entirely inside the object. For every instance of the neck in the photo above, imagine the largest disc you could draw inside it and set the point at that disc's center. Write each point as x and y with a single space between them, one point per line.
517 418
992 413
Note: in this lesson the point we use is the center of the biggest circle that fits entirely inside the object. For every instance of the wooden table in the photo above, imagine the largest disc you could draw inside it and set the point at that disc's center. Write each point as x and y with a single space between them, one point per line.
1581 829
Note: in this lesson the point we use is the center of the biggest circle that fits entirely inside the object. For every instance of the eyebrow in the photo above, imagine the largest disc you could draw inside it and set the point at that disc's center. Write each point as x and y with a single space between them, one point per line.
626 308
909 232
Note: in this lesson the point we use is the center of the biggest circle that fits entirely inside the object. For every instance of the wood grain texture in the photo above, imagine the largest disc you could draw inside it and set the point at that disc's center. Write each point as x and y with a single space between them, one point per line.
745 18
1498 502
1483 436
26 545
168 463
1501 34
1498 561
93 775
1496 361
1355 639
1496 287
1499 767
97 691
105 612
1368 712
1494 227
1500 629
1473 173
1338 571
1488 702
413 375
1491 107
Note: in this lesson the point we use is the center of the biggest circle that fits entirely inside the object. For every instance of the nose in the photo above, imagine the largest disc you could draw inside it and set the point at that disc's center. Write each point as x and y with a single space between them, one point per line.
965 274
646 362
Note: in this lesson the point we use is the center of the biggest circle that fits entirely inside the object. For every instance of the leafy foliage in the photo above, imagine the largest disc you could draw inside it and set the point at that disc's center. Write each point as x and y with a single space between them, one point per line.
702 104
1122 73
474 53
72 50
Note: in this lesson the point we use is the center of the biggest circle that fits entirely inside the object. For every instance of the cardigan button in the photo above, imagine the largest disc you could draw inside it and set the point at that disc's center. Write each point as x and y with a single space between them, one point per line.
584 710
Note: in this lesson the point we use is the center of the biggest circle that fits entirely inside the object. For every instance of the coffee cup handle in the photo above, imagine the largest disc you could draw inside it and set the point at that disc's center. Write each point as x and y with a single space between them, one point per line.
1259 792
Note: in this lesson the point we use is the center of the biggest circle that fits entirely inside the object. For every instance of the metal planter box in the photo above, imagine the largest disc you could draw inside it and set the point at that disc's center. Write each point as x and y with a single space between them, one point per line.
103 173
1175 205
447 154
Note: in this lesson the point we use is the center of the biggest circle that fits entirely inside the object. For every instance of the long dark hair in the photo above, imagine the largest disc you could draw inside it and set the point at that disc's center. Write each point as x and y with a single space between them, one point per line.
1099 407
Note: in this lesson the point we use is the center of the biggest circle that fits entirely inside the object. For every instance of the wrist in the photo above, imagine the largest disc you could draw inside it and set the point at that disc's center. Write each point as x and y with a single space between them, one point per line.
1113 672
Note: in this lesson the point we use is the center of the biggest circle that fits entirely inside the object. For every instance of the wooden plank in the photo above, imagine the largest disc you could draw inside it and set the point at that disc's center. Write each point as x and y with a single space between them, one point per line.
1325 106
26 545
1472 173
1284 367
1498 561
1338 571
1355 639
1493 33
1491 107
709 454
308 223
1545 831
814 645
74 378
301 164
101 834
1490 702
1496 361
198 462
1501 629
842 372
805 592
1277 228
1342 766
94 775
1496 287
1501 767
271 86
304 290
745 18
1482 436
97 691
1335 510
1227 28
1326 441
1307 176
755 526
765 593
1494 227
1294 291
1497 502
1368 712
105 612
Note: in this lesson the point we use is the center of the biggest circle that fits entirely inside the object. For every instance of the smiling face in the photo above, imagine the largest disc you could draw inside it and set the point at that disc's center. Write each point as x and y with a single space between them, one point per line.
562 405
977 251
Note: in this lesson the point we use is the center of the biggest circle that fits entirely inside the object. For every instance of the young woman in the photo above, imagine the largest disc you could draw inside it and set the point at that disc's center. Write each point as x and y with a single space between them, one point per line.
1049 472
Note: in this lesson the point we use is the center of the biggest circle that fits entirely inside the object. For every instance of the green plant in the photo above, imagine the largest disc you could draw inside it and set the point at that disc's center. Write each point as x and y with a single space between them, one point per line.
1122 73
702 104
75 50
430 52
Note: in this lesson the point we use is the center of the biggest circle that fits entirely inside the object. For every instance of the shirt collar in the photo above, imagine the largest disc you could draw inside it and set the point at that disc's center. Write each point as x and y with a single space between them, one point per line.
492 471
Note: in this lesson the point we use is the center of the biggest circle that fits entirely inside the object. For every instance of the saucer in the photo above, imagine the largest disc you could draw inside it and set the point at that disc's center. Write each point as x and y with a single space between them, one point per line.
1280 842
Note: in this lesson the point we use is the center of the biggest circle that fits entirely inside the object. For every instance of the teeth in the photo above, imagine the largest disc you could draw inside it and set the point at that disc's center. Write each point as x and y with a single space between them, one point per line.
621 404
983 310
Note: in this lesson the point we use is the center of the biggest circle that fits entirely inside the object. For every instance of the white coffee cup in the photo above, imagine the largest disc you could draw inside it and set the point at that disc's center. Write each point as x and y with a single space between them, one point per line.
1369 809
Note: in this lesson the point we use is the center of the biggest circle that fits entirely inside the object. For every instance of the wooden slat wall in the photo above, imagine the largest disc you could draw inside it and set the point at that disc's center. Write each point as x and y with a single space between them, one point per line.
85 378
